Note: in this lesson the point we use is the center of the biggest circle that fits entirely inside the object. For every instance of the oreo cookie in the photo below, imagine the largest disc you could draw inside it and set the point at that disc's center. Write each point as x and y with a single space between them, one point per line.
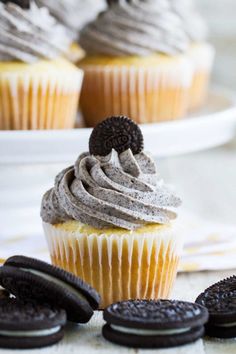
31 279
24 4
119 133
25 325
154 323
220 300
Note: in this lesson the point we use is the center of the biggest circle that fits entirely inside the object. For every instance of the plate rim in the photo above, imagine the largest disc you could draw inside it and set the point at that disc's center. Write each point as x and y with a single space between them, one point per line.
226 116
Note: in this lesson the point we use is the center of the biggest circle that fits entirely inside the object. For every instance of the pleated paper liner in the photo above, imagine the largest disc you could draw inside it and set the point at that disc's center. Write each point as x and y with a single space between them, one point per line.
148 94
202 56
39 99
119 266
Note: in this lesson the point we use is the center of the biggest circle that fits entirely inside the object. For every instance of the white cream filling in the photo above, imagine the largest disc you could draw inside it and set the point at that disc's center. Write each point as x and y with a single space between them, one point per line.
38 333
149 332
57 282
232 324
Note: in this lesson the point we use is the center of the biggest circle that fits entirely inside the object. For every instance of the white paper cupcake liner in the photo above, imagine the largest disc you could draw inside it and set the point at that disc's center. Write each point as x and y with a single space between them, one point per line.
120 266
144 93
34 100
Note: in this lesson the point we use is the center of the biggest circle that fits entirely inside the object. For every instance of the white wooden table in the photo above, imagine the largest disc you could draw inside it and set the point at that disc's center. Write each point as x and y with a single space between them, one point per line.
87 339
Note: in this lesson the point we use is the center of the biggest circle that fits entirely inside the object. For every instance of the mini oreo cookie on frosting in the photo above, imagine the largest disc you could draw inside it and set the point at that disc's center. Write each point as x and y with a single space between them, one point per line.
220 300
154 323
34 280
28 325
119 133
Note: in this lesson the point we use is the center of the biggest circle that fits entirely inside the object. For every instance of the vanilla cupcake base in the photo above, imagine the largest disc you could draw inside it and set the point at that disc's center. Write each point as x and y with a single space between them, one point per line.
43 95
119 264
202 56
148 90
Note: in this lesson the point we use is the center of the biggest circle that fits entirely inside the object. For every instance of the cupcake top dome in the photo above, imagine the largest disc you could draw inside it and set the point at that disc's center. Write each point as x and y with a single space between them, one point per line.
74 14
135 27
193 23
120 187
30 33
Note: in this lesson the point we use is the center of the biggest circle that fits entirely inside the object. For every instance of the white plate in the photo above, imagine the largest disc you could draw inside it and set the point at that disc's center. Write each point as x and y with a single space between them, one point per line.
211 126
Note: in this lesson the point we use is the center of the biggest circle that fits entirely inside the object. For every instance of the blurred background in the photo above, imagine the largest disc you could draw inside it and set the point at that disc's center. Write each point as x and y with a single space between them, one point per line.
222 33
209 177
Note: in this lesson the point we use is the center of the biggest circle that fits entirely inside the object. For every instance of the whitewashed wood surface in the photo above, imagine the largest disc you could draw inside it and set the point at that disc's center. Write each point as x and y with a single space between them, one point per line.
87 339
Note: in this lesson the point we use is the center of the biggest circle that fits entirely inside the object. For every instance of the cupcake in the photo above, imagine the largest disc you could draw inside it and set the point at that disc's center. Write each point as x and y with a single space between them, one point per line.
135 63
110 219
201 53
38 88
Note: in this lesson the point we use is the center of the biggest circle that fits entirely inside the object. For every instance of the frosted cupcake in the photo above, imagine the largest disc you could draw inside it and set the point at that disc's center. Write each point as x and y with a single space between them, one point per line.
38 89
135 63
109 218
201 53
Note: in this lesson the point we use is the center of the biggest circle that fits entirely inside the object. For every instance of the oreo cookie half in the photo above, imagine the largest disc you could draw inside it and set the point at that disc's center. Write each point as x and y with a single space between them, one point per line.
220 300
26 325
119 133
31 279
154 323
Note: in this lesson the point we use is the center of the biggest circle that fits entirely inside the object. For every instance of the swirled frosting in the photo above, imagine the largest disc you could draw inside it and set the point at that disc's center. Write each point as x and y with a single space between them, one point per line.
193 23
116 190
135 27
74 14
30 34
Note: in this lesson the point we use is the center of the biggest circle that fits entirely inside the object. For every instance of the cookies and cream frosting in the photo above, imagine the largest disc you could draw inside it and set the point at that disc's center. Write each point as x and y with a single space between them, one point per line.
193 23
121 190
135 27
74 13
28 35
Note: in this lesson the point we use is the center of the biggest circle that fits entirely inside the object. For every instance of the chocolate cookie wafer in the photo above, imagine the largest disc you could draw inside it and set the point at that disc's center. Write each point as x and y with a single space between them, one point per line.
32 279
220 300
119 133
25 325
154 323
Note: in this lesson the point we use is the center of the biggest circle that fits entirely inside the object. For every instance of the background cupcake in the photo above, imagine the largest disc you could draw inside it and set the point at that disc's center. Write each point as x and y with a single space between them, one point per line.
109 218
135 63
201 53
38 89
